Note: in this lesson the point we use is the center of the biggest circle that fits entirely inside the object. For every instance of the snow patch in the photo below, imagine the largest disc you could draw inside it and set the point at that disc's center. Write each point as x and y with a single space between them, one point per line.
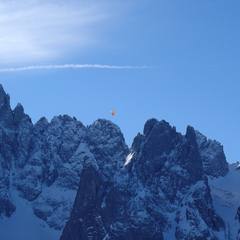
128 158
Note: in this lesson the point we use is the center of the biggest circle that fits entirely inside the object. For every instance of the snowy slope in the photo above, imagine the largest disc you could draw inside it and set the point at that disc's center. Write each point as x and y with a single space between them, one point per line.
226 199
24 225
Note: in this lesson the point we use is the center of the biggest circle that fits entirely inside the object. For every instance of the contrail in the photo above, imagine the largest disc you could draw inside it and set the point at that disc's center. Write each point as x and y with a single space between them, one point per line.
69 66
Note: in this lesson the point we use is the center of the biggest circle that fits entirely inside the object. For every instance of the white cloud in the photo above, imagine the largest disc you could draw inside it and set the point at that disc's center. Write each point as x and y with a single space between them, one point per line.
38 30
69 66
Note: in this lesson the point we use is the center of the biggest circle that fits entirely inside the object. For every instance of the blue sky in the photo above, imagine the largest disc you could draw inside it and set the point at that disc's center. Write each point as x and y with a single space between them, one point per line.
192 48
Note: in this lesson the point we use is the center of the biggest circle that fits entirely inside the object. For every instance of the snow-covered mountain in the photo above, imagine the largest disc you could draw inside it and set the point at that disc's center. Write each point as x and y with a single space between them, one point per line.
61 179
161 192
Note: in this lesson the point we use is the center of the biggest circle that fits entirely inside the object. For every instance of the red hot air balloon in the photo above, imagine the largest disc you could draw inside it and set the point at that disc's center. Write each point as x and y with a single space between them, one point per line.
113 113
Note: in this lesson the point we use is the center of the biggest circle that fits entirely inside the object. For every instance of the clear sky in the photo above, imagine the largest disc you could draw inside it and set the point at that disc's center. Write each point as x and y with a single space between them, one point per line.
192 47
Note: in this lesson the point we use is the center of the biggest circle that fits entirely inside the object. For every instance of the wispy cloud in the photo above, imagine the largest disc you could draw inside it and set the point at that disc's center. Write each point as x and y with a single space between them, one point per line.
70 66
35 30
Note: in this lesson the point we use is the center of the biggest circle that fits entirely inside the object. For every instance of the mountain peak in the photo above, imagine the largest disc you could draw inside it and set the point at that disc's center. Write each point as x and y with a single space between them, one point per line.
19 115
158 126
6 116
4 98
1 89
105 128
149 125
104 123
18 112
42 121
190 133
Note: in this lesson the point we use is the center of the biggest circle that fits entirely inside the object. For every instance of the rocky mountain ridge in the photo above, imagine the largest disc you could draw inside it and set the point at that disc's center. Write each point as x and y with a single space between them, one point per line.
157 189
162 190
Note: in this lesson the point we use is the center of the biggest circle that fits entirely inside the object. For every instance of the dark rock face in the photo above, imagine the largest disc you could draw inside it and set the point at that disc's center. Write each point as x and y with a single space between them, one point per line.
6 207
156 144
5 109
166 158
85 221
237 217
213 157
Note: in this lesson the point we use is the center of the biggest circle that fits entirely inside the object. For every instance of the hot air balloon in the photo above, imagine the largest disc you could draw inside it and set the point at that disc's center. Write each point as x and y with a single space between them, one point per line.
113 113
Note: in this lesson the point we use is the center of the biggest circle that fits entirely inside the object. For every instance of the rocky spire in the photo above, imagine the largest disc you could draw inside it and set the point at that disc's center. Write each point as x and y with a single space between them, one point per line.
4 98
212 155
6 116
19 115
191 157
85 221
